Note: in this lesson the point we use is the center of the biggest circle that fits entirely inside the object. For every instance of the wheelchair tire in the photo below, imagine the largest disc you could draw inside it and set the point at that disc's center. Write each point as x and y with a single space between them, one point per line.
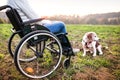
12 43
46 59
66 63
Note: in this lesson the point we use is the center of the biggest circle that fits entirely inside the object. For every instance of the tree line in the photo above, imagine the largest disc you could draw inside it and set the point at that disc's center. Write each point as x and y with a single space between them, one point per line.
106 18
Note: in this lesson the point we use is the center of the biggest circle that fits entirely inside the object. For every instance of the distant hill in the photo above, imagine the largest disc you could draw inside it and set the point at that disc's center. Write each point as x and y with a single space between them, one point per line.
106 18
105 15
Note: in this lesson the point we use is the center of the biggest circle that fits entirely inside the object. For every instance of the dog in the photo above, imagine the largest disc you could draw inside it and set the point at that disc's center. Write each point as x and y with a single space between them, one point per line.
90 42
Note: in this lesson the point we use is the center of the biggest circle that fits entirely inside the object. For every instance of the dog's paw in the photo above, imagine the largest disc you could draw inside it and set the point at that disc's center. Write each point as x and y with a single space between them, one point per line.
91 52
83 55
100 53
94 55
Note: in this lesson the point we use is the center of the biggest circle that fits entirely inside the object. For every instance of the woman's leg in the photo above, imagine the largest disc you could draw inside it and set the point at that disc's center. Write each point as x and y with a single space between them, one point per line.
56 27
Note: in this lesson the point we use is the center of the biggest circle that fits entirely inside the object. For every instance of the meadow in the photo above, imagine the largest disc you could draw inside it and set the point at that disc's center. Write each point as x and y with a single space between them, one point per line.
104 67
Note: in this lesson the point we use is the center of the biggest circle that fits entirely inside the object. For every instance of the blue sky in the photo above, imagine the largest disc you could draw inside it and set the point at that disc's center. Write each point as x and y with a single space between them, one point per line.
69 7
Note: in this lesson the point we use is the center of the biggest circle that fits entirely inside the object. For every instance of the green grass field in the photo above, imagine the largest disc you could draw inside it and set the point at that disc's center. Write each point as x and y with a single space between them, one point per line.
105 67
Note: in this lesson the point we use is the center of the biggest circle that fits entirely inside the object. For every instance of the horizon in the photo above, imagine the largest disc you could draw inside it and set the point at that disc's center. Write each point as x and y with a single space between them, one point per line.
72 7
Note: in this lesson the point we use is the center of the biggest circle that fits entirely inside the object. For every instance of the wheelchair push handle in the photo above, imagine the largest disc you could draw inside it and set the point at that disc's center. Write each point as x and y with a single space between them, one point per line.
4 7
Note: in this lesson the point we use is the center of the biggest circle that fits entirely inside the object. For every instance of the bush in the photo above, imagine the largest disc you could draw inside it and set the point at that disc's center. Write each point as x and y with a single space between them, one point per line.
3 21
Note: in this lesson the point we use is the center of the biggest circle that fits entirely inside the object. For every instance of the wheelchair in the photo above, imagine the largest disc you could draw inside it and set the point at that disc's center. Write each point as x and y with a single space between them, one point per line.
39 52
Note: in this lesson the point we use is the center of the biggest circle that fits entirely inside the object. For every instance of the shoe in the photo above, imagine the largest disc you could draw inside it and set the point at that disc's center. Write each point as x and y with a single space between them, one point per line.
75 50
72 51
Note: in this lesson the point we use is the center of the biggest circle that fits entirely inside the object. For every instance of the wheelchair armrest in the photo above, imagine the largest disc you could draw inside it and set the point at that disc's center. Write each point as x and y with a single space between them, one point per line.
32 21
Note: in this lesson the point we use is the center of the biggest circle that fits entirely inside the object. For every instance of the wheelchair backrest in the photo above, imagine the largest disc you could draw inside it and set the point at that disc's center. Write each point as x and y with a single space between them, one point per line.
15 19
19 26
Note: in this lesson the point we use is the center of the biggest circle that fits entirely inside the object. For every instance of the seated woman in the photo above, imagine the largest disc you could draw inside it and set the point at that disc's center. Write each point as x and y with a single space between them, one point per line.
27 13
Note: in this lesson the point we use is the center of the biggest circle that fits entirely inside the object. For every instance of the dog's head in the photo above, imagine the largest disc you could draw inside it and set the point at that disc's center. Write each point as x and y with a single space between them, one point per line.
92 36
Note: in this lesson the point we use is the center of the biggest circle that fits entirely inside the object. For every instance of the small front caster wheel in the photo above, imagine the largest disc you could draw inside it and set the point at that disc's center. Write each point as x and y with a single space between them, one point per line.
66 63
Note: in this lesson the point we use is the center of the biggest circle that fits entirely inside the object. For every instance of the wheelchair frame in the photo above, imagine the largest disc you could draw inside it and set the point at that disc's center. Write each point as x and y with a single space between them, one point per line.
40 41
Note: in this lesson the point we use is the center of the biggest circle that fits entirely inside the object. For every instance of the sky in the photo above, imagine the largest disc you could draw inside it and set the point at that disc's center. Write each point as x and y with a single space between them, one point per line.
70 7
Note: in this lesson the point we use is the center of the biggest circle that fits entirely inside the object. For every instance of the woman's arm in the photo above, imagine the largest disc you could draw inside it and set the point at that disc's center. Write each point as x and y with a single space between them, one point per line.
26 9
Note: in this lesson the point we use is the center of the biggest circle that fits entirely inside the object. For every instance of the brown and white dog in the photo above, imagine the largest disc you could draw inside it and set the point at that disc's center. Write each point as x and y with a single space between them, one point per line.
90 42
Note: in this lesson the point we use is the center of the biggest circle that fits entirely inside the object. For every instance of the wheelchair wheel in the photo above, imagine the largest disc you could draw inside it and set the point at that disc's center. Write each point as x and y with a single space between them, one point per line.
45 52
12 43
66 63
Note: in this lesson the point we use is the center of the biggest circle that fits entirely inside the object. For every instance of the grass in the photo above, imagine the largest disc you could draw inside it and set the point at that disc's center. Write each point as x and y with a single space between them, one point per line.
5 30
93 63
2 56
117 73
84 68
